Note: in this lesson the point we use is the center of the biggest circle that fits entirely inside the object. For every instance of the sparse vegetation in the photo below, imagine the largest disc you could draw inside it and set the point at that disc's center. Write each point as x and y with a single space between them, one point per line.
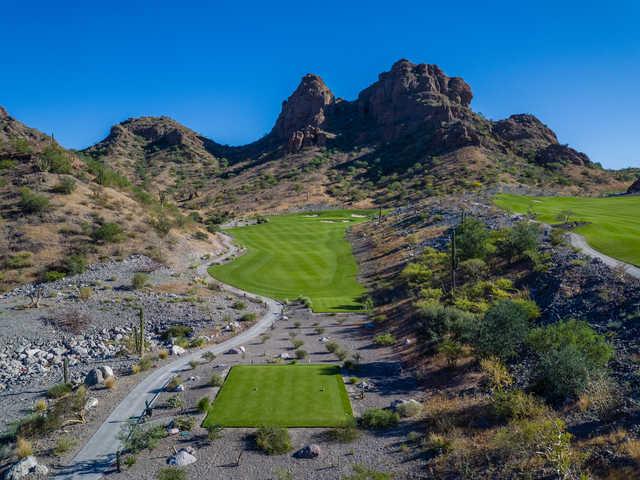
273 440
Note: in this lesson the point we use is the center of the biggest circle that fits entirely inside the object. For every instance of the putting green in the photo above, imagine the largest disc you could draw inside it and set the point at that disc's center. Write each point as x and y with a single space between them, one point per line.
298 395
299 255
613 222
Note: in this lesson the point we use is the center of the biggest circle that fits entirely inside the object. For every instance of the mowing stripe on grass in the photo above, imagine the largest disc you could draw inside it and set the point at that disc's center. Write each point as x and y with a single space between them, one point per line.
297 395
298 255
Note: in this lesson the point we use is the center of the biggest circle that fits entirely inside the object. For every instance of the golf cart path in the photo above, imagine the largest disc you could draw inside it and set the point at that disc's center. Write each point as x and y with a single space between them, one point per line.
579 242
98 455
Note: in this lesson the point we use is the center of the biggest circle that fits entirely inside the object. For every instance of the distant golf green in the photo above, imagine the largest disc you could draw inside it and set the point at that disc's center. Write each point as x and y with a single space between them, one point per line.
299 255
613 223
299 395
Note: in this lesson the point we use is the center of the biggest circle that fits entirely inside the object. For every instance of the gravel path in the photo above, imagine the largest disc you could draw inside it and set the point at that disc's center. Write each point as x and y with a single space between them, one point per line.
579 242
98 454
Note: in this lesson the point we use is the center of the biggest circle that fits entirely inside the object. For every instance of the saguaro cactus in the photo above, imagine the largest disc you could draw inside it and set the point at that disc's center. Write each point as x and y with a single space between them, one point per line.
453 262
141 329
65 370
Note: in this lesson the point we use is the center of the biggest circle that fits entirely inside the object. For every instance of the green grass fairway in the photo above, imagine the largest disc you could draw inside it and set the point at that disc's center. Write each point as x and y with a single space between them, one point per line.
281 395
614 222
299 254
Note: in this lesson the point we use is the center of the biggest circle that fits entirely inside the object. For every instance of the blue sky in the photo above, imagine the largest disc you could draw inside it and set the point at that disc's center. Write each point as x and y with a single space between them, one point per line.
223 68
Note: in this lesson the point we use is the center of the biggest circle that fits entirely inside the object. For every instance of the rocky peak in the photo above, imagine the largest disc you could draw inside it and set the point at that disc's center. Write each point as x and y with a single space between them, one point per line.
411 96
3 113
304 108
525 132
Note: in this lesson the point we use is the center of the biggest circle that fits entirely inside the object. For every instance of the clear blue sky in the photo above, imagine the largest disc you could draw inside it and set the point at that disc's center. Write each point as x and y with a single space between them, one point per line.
223 68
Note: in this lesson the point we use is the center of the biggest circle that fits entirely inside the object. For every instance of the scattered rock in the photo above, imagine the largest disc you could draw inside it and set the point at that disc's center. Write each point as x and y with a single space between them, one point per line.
107 371
182 458
177 350
308 451
26 468
94 377
92 402
234 351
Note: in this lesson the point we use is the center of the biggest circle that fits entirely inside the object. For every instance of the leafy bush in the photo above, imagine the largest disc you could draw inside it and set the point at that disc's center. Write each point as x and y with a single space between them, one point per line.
59 390
503 330
297 343
515 241
172 473
184 424
136 438
53 276
379 419
346 434
139 280
203 404
273 440
435 321
331 347
570 353
65 186
516 405
472 239
63 445
408 409
53 159
384 339
176 331
451 350
31 202
301 354
239 305
216 380
75 264
247 317
109 233
473 270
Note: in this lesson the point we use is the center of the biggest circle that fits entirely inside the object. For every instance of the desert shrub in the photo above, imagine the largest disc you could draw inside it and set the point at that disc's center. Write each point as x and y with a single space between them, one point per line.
176 331
435 321
172 473
473 270
305 301
108 233
273 440
184 424
63 445
332 347
438 443
348 433
408 409
23 448
136 438
472 239
130 460
516 405
451 350
203 404
32 202
175 401
496 373
53 159
75 264
19 260
297 343
216 380
570 353
544 437
341 354
197 342
85 293
379 419
514 242
301 354
503 330
110 383
319 330
247 317
40 405
209 356
214 432
163 354
174 383
601 397
239 305
53 276
59 390
193 364
145 363
139 280
65 186
384 339
70 321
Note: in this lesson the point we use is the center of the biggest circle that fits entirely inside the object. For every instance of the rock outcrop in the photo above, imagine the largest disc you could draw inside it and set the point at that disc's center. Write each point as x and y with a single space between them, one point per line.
525 133
634 188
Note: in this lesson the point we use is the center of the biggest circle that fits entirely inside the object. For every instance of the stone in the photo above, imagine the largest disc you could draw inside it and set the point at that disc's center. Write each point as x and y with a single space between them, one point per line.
173 431
182 458
634 189
94 377
309 451
177 350
233 351
107 371
26 468
92 402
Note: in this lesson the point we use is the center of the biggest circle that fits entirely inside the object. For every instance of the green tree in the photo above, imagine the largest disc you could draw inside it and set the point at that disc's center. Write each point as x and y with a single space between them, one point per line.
515 241
503 330
472 239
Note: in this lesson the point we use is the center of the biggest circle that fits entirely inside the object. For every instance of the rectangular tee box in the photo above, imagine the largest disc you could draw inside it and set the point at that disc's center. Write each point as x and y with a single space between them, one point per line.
297 395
